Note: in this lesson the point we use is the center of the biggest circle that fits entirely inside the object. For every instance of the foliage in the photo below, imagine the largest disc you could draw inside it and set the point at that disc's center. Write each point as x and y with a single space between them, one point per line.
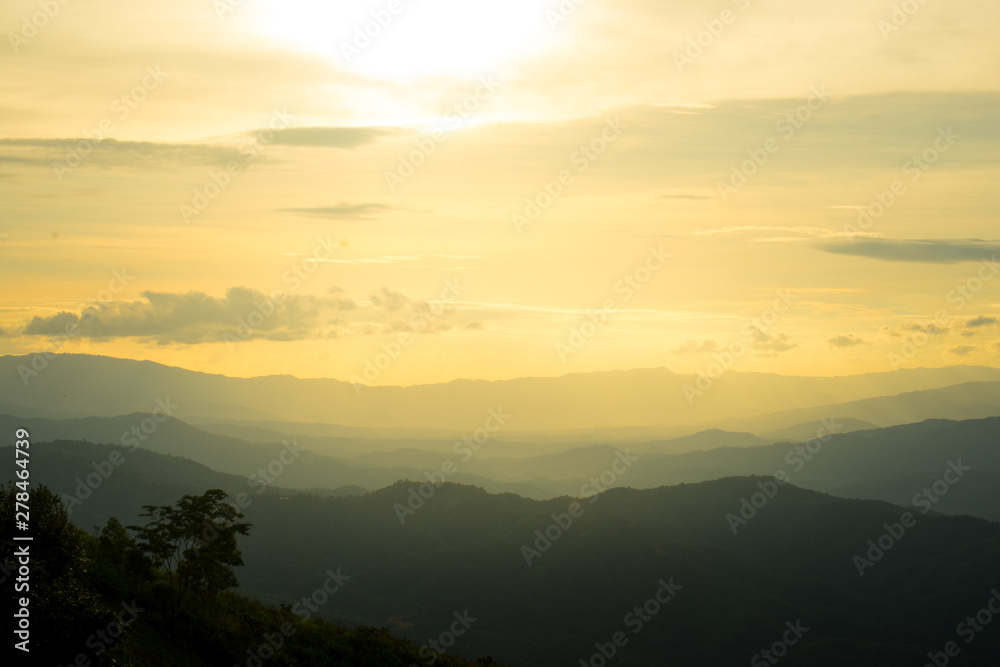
194 541
80 584
64 609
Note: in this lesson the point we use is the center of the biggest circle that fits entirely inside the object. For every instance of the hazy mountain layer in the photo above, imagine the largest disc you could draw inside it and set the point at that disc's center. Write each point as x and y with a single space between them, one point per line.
81 385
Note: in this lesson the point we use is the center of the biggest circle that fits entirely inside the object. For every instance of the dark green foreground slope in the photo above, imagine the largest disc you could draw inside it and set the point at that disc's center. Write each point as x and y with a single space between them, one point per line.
96 601
465 551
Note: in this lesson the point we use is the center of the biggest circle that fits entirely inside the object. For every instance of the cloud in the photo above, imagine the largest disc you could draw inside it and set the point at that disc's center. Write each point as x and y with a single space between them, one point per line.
916 250
981 321
342 211
330 137
382 259
191 318
845 341
735 230
962 350
772 233
685 197
115 153
929 327
391 301
692 346
196 317
771 345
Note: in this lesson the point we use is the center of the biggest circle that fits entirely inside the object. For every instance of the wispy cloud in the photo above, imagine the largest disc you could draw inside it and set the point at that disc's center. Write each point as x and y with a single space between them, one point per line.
382 259
686 197
330 137
981 321
917 250
692 346
771 233
114 153
342 211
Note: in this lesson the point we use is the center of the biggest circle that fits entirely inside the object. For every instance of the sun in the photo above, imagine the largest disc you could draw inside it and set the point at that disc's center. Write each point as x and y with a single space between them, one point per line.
409 40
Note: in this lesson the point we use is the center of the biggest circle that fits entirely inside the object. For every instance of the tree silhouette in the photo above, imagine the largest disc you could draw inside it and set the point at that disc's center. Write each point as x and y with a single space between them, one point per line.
194 541
63 609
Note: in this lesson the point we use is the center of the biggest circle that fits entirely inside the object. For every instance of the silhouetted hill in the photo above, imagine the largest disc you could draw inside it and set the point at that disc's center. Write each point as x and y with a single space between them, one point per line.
708 439
85 470
259 463
970 400
893 464
108 599
464 551
807 430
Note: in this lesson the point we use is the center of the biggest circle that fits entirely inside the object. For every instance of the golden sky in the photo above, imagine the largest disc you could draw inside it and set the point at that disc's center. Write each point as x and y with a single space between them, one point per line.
453 188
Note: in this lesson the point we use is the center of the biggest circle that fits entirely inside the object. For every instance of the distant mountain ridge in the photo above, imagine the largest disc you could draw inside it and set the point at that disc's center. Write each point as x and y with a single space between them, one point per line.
82 385
892 464
297 466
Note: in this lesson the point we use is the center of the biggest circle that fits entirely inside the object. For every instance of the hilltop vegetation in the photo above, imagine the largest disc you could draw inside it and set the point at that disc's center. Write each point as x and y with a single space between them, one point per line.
545 583
101 599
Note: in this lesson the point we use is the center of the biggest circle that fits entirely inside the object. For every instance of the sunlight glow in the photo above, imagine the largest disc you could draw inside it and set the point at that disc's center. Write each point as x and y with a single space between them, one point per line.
400 40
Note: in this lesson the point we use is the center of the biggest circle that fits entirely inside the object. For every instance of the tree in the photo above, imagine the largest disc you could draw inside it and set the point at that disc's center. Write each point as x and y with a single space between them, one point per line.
194 541
120 567
63 609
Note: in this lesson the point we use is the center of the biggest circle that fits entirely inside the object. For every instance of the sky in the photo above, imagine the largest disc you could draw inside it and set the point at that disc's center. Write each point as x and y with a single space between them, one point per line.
407 192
